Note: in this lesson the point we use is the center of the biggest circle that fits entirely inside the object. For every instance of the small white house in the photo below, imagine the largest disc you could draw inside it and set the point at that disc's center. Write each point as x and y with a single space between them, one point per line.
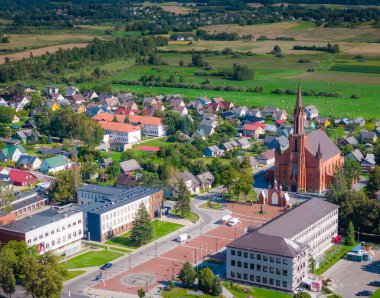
54 164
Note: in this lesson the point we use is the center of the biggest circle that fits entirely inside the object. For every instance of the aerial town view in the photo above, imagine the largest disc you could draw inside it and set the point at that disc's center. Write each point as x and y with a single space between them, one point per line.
191 148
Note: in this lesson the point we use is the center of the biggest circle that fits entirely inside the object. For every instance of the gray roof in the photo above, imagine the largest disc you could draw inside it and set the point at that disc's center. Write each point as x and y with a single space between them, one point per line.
186 176
328 148
355 155
243 142
206 177
311 109
274 245
368 134
214 148
253 162
130 165
99 189
38 220
27 159
299 218
351 140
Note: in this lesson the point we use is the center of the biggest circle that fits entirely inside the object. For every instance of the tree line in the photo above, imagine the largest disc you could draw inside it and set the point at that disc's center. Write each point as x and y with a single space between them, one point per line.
330 48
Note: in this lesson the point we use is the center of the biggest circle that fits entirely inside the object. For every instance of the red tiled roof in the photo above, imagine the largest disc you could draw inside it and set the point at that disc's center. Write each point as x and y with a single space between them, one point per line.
226 104
19 176
254 126
147 120
124 111
116 126
109 117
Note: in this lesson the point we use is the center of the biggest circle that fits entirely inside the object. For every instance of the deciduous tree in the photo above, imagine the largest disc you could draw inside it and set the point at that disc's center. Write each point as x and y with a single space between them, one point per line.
65 183
187 275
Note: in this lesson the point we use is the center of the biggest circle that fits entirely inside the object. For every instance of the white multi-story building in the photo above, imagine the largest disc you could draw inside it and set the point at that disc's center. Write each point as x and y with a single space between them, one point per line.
277 254
151 126
57 229
121 132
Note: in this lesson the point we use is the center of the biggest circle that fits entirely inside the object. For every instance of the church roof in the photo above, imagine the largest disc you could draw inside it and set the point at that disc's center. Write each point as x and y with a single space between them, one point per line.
328 148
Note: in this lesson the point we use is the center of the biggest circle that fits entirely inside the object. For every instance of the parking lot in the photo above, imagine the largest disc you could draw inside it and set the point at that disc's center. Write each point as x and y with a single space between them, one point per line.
351 277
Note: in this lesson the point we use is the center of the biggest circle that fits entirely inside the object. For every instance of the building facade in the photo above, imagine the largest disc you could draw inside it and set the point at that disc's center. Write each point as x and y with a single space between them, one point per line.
277 254
309 163
121 132
151 126
55 229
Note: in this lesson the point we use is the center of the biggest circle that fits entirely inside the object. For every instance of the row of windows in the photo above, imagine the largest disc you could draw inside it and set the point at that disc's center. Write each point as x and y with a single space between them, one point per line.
126 210
240 264
58 240
259 279
259 257
58 229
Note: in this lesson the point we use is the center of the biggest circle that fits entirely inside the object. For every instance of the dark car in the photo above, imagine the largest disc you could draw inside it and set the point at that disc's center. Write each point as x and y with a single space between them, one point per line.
364 293
106 266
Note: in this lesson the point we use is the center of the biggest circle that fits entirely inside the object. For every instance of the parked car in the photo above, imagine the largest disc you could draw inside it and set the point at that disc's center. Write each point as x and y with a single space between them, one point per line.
234 221
364 293
106 266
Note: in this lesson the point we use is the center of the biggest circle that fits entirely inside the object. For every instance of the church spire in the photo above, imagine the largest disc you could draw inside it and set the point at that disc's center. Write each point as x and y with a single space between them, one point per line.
299 114
319 152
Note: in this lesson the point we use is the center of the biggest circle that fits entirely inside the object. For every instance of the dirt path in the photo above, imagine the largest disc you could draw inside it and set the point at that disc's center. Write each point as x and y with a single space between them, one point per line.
40 51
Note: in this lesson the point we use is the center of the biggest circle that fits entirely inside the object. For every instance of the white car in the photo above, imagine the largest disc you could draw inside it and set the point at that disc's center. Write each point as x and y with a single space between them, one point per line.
234 221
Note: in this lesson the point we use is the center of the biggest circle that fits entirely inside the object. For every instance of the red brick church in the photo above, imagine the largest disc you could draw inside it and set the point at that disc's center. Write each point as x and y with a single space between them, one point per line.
310 161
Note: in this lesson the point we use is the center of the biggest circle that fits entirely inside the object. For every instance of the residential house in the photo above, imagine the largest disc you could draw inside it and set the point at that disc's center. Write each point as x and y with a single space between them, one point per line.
102 96
171 96
355 155
273 142
12 153
368 163
323 121
76 98
240 111
181 110
279 115
228 115
244 143
110 103
343 122
209 116
19 102
203 100
208 122
120 132
350 141
285 130
124 111
227 147
254 113
217 99
213 151
95 110
206 180
204 131
129 166
151 126
51 90
253 119
131 105
253 130
54 106
268 111
125 180
176 102
3 103
90 95
71 90
149 101
368 137
124 97
267 157
159 106
79 108
54 164
359 121
214 107
270 128
28 162
192 183
57 97
21 178
311 112
253 163
26 135
226 105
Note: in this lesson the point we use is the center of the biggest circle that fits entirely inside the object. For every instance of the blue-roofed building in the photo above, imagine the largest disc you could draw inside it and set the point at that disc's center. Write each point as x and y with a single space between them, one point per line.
109 211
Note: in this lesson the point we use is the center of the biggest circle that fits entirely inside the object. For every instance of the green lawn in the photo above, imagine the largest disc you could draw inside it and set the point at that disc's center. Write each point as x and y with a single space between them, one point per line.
160 229
122 250
214 205
376 294
193 217
72 274
182 293
91 259
334 254
257 293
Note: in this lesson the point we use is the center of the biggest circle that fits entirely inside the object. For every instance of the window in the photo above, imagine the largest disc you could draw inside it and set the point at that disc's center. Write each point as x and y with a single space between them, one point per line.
252 256
278 260
245 276
232 274
29 241
265 268
252 277
284 284
278 271
259 257
265 280
258 279
233 252
265 258
239 253
271 281
245 265
238 263
258 267
252 266
232 262
245 255
238 275
46 234
277 283
285 261
271 259
285 272
271 269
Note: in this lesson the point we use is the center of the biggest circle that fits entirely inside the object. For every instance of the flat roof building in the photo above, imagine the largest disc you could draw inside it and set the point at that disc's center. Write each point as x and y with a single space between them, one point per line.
277 254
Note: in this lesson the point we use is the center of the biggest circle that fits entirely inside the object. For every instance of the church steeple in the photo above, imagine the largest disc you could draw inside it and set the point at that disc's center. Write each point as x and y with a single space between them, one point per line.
299 114
318 155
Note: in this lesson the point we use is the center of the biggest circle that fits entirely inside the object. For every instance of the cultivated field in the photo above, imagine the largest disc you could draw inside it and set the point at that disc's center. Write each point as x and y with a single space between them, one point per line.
174 7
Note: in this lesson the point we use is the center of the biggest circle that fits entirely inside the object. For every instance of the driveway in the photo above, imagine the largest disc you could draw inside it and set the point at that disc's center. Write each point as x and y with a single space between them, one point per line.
351 277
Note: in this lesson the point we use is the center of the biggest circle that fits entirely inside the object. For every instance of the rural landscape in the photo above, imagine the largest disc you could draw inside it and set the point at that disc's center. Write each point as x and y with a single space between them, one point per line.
208 148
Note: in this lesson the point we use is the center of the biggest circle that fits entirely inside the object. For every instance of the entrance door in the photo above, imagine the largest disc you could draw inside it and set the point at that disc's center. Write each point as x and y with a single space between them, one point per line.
294 187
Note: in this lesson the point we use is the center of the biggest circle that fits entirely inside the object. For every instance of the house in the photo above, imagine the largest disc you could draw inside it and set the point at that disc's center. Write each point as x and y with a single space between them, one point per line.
192 183
209 116
214 107
240 111
21 178
253 130
368 137
228 115
244 143
227 147
176 102
206 180
343 122
110 103
171 96
131 105
26 135
76 98
208 122
359 121
368 163
253 163
129 166
123 97
149 101
54 106
254 113
213 151
29 162
124 111
355 155
203 100
273 142
268 111
90 95
151 126
270 128
253 119
15 119
267 157
51 90
19 102
203 132
323 121
3 103
71 90
311 112
102 96
217 99
54 164
120 132
57 97
350 141
279 115
95 110
159 106
181 110
285 130
226 105
12 153
124 180
79 108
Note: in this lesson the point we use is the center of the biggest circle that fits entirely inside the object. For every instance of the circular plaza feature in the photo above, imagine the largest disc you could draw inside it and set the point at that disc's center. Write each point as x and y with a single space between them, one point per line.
138 279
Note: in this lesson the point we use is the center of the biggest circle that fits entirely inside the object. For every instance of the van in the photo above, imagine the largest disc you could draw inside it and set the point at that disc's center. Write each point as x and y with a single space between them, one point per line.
234 221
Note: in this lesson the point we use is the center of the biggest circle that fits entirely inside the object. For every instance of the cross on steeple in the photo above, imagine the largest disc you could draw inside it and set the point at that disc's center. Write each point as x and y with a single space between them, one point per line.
299 114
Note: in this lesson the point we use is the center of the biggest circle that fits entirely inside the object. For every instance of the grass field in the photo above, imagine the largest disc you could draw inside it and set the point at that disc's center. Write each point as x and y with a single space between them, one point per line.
193 217
72 274
91 259
160 229
257 293
339 252
181 293
376 294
